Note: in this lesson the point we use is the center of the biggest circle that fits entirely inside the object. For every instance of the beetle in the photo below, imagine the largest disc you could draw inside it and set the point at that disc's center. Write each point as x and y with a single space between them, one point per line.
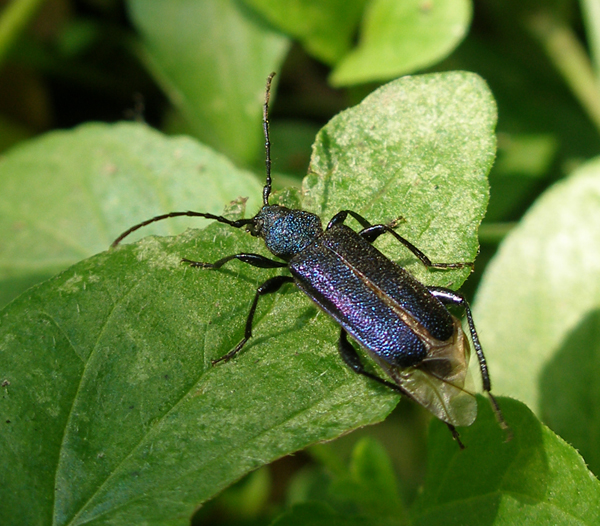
403 325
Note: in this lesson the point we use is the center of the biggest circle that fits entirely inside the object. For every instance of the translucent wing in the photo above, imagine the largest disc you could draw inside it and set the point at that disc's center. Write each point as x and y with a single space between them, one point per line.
438 382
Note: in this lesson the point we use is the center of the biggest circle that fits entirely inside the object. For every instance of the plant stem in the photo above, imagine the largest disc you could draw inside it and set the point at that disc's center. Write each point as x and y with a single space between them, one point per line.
14 18
493 233
590 9
570 59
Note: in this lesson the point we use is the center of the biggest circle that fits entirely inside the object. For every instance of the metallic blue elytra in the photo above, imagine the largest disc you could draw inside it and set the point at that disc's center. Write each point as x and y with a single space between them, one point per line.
377 302
401 323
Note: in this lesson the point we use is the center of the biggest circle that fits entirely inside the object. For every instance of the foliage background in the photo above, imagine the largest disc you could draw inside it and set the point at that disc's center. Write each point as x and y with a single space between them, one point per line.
198 67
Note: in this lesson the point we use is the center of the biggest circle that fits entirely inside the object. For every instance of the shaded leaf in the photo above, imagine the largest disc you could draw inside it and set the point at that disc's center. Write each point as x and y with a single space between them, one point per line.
536 307
398 37
371 484
320 514
536 478
324 27
67 195
212 58
570 394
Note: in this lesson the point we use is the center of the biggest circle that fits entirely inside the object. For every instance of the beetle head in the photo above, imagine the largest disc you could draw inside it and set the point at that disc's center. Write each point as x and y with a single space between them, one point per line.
285 231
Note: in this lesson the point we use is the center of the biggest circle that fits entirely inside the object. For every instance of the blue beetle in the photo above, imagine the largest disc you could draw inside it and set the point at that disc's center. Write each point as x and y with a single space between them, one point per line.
402 324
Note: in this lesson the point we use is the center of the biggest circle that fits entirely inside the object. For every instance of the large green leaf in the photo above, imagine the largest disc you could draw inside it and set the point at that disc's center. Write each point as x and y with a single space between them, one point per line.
401 36
111 410
212 58
115 412
419 148
536 478
537 310
67 195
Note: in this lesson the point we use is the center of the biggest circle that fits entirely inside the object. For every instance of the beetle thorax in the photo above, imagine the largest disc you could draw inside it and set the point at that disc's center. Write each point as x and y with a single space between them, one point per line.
286 231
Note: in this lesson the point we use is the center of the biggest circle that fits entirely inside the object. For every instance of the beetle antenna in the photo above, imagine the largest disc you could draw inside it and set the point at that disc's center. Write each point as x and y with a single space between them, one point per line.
235 224
267 188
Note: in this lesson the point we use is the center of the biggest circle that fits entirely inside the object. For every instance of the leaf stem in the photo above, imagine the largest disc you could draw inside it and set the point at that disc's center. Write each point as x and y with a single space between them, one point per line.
591 17
14 18
570 59
493 233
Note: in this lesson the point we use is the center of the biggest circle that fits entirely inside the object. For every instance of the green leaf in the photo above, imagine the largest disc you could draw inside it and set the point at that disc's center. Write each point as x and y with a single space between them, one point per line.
248 498
212 58
401 36
111 408
366 487
536 478
420 148
371 484
537 307
324 27
528 156
320 514
67 195
523 160
111 360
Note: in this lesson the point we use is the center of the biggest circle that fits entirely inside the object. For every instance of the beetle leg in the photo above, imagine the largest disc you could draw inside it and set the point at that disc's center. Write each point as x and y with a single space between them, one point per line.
269 286
369 232
352 360
455 435
256 260
341 216
373 232
451 297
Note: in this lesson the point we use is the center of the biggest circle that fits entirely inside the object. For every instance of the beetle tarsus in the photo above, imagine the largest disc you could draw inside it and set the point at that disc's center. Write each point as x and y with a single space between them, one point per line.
196 264
500 418
256 260
455 435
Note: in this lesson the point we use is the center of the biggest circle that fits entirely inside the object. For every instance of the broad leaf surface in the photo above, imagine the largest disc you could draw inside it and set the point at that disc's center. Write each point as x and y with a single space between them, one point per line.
111 409
212 58
115 412
419 148
68 194
401 36
537 311
536 478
